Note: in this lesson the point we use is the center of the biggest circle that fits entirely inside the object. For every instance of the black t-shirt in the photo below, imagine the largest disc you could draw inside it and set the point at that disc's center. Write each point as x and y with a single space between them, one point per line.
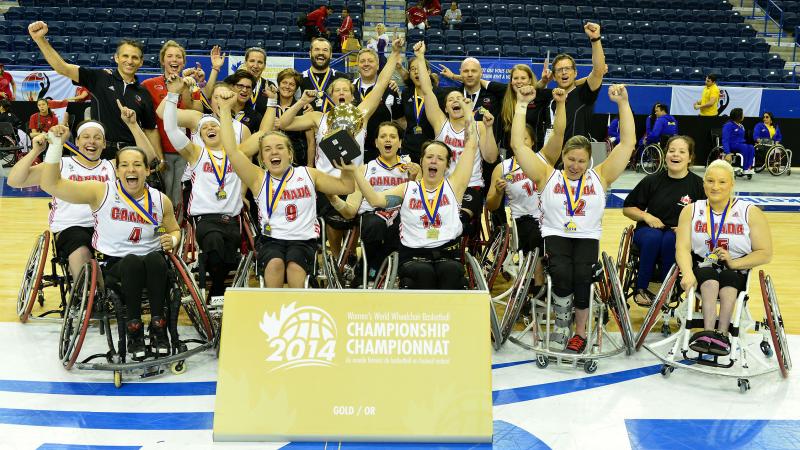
412 142
381 114
306 84
665 197
580 107
106 89
489 98
261 100
298 138
249 118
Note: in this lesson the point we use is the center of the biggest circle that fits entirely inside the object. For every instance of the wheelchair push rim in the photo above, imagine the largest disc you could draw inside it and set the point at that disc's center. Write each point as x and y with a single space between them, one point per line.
32 278
77 314
195 307
653 313
774 322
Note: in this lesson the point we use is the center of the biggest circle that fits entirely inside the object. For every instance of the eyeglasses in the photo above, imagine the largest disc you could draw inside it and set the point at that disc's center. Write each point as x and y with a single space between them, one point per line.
243 87
563 70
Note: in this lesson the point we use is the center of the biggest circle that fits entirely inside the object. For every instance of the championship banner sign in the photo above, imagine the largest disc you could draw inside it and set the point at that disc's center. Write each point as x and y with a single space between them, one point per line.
684 98
36 84
369 366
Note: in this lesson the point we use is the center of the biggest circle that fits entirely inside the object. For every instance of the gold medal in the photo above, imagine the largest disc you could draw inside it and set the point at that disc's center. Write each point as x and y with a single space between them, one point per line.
482 110
417 129
221 194
571 226
267 230
160 230
712 257
319 95
433 233
509 177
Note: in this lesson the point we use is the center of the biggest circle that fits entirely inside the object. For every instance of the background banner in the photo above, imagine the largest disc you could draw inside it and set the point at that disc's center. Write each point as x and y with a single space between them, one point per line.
36 84
354 366
684 97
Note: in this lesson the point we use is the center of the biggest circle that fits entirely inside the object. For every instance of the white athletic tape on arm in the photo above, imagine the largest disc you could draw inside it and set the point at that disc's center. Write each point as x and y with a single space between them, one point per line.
176 137
54 150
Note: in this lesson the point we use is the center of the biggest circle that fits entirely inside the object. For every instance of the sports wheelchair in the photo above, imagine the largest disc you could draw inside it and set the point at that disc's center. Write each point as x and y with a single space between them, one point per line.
651 158
772 156
34 280
606 301
91 301
743 362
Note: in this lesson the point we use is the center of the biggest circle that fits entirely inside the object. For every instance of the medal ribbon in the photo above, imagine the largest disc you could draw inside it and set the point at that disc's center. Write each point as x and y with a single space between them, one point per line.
74 149
512 166
572 204
419 106
205 101
387 166
272 199
128 198
710 224
431 205
256 92
321 87
219 172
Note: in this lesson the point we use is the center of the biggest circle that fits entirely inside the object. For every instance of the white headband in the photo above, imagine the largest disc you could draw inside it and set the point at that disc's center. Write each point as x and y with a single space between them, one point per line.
97 125
207 118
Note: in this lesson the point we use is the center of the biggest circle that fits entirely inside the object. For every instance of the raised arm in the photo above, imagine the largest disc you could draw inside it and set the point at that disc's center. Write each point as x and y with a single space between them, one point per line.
79 192
387 199
178 139
433 112
534 167
459 179
552 148
497 188
290 121
683 247
251 175
217 60
24 174
374 98
141 139
595 78
328 184
38 32
616 162
186 118
488 144
268 121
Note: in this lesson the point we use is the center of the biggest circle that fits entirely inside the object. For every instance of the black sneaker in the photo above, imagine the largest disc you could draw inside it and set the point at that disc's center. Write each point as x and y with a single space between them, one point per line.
719 344
576 344
159 342
135 332
701 341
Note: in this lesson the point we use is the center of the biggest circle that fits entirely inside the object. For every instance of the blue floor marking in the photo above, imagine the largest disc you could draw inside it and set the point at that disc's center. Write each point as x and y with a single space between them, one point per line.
712 434
509 364
86 447
107 420
8 191
505 437
108 389
526 393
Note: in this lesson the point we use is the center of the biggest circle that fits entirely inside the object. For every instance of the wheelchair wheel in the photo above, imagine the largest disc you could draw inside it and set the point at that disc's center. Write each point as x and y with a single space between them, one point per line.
617 304
624 253
492 257
715 154
518 294
474 274
760 161
655 309
242 275
774 321
386 277
348 251
188 244
330 271
32 277
778 161
194 306
78 313
651 159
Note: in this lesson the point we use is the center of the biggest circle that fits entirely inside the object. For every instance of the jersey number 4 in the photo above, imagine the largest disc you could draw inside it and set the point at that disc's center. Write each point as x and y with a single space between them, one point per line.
136 235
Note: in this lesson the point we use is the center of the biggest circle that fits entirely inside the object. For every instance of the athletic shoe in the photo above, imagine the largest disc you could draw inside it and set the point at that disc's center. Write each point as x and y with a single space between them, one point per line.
738 172
719 344
576 345
749 172
159 342
701 341
135 332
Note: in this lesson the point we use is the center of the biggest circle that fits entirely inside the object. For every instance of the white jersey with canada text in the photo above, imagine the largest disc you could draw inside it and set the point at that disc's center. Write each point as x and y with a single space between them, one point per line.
203 199
735 234
119 230
381 179
63 214
321 161
588 215
414 221
294 217
523 198
455 140
238 131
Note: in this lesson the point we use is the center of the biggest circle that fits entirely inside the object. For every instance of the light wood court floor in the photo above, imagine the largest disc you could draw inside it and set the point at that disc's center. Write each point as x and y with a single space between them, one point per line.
22 219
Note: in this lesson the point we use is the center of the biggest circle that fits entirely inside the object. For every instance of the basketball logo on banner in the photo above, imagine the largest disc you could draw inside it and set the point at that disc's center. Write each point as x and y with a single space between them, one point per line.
724 101
299 337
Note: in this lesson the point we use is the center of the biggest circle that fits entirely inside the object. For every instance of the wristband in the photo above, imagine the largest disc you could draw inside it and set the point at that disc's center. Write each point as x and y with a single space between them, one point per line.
173 97
54 150
272 103
174 241
595 39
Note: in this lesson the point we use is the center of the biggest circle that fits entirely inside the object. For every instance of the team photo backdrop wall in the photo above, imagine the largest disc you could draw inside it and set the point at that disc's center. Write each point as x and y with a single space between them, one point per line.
370 366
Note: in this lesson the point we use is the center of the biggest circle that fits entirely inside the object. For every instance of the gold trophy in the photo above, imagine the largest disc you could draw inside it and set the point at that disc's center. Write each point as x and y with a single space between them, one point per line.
344 123
345 117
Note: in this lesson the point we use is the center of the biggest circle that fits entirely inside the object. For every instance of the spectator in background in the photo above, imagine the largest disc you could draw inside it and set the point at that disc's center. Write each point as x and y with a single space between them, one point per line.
315 23
613 131
346 27
351 45
379 44
43 120
733 142
432 7
417 17
767 129
452 17
709 101
288 82
7 116
243 83
8 88
660 125
320 75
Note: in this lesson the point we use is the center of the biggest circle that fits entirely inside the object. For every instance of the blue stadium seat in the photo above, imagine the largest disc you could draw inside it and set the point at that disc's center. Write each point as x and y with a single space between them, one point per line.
499 10
21 43
222 31
646 57
533 10
671 42
636 40
260 32
636 72
732 74
67 13
512 51
229 16
525 38
217 41
185 30
17 27
294 46
771 75
454 49
584 12
627 27
656 73
539 24
277 32
450 36
242 31
86 59
489 37
26 58
136 15
486 22
154 44
18 13
567 11
288 5
789 76
757 59
6 43
617 71
573 25
473 49
707 43
434 33
775 62
503 23
653 41
167 30
719 59
215 15
507 37
674 73
193 15
100 44
568 50
255 43
247 17
682 58
252 5
549 11
562 38
414 36
543 38
159 15
726 44
437 49
678 28
758 45
182 4
151 61
236 45
668 14
8 58
555 24
693 73
470 36
516 10
61 43
737 59
751 75
273 45
205 30
492 50
664 57
519 23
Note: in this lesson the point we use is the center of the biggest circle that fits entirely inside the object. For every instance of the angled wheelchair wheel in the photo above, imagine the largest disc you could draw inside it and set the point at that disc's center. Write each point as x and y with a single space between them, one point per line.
774 321
478 282
348 251
715 154
492 257
658 304
78 313
651 159
760 160
188 244
246 265
778 160
617 304
386 277
329 268
32 277
624 253
518 294
194 306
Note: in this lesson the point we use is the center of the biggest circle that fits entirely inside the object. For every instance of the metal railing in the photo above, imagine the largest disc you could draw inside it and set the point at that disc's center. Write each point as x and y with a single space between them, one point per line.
768 17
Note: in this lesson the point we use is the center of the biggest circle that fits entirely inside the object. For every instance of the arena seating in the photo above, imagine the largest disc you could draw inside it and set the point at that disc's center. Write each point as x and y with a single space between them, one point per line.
641 38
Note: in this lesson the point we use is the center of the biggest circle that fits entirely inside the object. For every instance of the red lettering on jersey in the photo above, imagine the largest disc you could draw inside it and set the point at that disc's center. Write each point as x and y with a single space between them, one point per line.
102 178
386 181
294 194
587 190
123 215
416 203
208 168
728 228
454 142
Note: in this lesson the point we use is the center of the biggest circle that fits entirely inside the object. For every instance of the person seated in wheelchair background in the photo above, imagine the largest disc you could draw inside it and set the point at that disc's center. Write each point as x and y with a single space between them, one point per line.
380 228
134 225
286 197
655 205
718 241
733 141
767 129
659 126
430 224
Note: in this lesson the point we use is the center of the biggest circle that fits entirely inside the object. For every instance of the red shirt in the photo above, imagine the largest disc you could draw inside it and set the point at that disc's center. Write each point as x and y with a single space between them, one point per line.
416 15
81 90
317 17
433 8
157 87
347 25
42 123
5 85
